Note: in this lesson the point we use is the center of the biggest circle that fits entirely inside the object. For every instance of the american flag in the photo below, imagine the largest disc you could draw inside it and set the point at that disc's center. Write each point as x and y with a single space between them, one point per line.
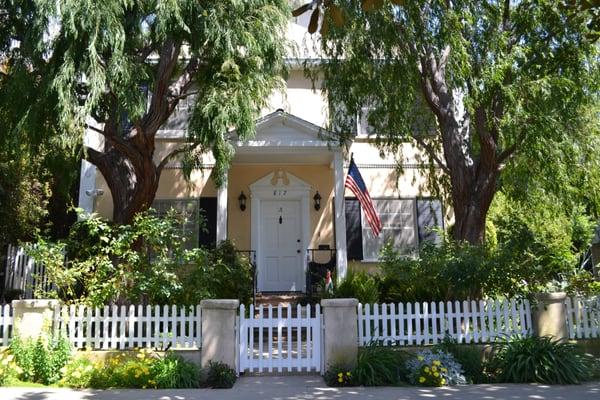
355 183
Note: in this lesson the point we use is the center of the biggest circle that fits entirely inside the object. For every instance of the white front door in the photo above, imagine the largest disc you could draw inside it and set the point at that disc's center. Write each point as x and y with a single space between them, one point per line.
280 267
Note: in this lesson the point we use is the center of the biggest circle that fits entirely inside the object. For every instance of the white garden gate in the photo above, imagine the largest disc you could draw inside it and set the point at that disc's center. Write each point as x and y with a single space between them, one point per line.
280 339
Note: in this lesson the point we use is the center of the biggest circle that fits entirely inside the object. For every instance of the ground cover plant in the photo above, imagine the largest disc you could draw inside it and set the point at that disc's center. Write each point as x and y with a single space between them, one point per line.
435 368
469 357
524 359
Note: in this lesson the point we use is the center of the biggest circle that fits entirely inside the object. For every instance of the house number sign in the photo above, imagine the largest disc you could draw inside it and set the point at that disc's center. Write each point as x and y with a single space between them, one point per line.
279 193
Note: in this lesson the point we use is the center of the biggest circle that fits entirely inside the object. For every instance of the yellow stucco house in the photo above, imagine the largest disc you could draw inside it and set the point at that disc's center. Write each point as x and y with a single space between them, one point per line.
284 199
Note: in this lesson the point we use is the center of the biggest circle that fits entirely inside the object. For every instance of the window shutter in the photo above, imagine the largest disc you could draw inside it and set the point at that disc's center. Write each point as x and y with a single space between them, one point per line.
208 235
353 229
429 216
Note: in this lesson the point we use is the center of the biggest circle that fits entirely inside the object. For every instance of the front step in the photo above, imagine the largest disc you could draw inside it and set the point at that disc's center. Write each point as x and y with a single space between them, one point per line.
284 299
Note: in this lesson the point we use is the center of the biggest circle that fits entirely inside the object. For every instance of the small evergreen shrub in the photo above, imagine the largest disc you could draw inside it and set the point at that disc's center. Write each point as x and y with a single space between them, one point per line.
218 376
435 368
525 359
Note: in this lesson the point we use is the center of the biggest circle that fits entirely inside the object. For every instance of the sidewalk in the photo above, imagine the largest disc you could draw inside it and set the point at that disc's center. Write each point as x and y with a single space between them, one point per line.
312 387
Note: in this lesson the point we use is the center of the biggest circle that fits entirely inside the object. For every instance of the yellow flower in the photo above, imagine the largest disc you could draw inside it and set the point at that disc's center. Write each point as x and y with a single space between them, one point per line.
420 358
426 369
436 374
348 373
421 379
340 380
434 368
152 382
137 374
443 381
340 375
444 369
437 363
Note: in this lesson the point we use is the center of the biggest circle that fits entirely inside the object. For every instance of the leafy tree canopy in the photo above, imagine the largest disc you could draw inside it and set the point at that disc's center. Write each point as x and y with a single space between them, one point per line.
128 64
476 84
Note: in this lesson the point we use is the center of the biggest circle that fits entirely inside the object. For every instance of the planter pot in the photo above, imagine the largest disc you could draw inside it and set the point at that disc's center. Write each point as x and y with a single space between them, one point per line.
549 315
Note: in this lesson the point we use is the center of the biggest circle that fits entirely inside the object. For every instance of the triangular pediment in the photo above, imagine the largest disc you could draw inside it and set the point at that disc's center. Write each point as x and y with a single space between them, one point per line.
281 126
279 179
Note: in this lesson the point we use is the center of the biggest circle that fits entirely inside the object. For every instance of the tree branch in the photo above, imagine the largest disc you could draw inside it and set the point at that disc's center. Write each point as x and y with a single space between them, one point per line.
431 151
172 154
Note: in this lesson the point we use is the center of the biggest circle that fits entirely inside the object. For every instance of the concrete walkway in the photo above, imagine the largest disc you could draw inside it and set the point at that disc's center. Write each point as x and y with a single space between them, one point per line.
313 388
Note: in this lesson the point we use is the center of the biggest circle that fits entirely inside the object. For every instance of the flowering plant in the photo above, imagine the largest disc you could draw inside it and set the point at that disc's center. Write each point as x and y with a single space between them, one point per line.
435 369
339 376
8 368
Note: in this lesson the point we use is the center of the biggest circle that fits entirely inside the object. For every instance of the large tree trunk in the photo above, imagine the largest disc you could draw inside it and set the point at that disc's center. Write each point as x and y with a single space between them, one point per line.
132 185
473 175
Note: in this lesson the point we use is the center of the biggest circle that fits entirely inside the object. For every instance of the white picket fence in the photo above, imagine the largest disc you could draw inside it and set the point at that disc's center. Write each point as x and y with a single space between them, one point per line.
134 326
583 317
428 323
23 274
6 324
279 339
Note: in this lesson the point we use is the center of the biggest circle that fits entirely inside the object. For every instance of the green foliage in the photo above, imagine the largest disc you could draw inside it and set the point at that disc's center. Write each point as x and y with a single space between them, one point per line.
40 360
523 359
480 86
469 357
359 285
218 375
539 242
449 271
142 369
378 366
218 273
65 61
9 370
142 262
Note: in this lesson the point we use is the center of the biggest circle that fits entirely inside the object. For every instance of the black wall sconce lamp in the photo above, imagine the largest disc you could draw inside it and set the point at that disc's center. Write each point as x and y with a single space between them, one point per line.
317 199
242 201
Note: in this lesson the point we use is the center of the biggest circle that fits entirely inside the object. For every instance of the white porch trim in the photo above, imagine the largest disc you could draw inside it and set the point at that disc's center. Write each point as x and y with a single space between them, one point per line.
222 210
340 215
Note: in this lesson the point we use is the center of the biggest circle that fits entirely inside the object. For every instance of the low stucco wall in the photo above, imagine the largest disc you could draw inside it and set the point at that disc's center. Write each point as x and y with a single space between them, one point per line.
191 355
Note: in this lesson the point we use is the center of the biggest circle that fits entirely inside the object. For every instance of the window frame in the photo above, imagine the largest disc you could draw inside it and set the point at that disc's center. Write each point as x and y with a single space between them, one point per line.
365 225
196 239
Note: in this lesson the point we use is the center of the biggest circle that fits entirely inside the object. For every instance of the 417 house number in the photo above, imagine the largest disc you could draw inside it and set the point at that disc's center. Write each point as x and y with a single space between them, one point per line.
279 193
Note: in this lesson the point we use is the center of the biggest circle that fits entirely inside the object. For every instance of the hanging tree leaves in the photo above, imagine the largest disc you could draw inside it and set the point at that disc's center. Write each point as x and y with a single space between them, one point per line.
128 64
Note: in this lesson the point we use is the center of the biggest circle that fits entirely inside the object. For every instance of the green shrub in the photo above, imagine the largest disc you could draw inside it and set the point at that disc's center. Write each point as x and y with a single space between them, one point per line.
219 273
524 359
378 366
173 371
469 357
450 271
143 262
359 285
218 376
41 360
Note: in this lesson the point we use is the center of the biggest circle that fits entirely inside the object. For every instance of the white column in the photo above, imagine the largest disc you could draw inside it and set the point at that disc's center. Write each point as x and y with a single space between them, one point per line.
87 179
340 215
222 210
